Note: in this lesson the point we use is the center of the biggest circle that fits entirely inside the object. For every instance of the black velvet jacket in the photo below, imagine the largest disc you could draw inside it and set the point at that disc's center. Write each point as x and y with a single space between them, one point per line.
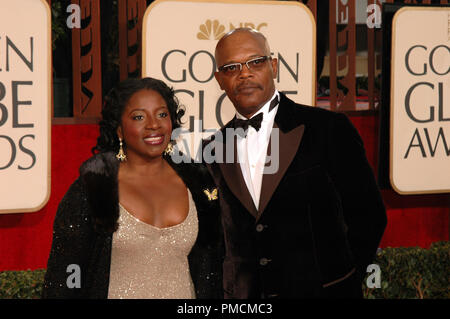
87 217
320 216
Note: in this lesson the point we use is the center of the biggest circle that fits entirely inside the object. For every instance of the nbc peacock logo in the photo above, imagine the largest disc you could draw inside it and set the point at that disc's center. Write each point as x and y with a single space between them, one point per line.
214 30
211 28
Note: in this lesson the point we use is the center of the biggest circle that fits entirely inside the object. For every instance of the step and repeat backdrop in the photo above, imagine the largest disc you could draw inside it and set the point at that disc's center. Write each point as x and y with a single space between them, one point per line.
178 43
25 105
420 101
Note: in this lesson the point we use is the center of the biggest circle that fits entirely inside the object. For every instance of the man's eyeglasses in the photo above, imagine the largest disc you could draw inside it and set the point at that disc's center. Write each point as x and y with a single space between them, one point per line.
235 68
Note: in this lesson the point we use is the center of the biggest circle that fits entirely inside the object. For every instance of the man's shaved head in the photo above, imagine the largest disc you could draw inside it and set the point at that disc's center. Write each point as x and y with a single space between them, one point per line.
254 33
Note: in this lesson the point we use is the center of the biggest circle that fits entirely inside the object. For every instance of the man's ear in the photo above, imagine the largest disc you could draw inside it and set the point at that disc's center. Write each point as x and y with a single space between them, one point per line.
274 63
218 77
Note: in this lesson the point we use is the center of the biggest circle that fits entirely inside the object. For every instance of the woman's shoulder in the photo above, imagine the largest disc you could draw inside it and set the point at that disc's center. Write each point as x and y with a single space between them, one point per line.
191 170
75 192
103 163
73 207
98 176
198 169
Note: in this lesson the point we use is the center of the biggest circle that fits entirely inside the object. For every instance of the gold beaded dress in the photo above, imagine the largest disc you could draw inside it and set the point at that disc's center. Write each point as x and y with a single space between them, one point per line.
148 262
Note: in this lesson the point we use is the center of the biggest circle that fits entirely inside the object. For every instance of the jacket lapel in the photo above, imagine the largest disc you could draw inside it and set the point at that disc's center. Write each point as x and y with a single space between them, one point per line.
290 136
232 174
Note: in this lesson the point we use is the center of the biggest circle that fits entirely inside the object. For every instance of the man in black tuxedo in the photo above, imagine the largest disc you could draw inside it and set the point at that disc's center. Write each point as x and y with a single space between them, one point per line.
310 228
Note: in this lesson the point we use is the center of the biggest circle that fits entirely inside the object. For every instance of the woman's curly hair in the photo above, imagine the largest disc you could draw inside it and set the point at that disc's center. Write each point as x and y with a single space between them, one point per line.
116 101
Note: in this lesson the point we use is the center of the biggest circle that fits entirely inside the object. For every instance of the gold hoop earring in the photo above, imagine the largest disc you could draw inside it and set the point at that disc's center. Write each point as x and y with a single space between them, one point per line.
169 149
121 155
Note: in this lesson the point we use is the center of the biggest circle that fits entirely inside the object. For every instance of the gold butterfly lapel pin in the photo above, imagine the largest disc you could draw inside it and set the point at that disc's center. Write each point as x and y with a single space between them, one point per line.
211 195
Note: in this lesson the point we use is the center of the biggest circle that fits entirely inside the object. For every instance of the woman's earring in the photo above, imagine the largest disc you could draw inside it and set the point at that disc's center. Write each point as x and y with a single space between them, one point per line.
169 149
121 155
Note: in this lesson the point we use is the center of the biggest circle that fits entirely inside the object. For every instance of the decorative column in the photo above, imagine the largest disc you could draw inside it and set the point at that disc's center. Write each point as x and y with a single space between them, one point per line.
86 61
343 54
131 14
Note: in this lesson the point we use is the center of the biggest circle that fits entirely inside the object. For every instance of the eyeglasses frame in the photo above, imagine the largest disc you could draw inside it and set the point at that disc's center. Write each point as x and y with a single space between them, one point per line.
241 65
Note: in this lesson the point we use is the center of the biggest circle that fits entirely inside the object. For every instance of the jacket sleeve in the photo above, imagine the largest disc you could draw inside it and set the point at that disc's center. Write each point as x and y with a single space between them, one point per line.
362 204
70 249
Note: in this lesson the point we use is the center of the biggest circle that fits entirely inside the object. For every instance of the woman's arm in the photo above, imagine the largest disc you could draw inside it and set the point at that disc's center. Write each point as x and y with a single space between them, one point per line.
70 251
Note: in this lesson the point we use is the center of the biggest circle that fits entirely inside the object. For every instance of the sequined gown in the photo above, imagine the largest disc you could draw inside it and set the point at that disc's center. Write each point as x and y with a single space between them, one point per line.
149 262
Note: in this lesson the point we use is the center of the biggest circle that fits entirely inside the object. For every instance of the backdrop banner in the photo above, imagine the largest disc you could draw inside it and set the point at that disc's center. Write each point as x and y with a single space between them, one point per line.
420 101
179 39
25 105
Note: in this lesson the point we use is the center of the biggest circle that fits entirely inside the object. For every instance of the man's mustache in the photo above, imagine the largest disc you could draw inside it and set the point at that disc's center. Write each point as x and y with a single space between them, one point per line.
247 85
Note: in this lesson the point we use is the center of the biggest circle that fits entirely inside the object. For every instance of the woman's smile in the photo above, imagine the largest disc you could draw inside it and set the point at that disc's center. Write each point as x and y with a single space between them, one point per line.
154 139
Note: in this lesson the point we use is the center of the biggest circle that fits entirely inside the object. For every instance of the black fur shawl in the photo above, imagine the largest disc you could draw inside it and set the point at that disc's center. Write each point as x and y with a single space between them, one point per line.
87 217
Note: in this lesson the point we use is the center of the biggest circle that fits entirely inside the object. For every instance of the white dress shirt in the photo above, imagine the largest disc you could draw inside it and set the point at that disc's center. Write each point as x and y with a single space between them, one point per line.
252 149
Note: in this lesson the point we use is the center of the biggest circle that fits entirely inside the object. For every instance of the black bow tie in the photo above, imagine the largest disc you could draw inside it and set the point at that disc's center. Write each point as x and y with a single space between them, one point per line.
256 120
